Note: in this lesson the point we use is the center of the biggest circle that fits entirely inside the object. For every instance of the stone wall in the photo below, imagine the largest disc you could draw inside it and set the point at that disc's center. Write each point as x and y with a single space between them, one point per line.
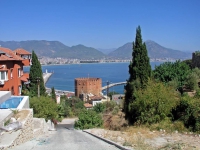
26 133
88 85
195 60
31 128
40 127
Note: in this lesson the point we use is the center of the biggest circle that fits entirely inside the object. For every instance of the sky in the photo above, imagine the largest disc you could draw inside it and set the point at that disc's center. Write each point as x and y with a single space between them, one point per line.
102 24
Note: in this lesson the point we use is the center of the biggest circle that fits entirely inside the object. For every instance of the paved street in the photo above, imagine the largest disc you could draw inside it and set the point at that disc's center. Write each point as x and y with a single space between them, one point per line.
66 138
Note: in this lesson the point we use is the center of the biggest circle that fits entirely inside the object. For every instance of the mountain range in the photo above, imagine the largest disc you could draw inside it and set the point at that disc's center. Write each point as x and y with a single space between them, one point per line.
57 49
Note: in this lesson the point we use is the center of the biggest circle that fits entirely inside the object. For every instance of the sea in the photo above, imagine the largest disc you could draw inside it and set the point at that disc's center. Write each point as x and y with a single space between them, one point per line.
63 75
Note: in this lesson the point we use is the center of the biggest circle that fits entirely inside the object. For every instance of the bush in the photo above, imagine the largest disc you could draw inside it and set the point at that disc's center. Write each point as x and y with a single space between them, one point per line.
192 81
43 107
88 119
99 107
114 122
154 103
168 126
110 106
71 107
189 113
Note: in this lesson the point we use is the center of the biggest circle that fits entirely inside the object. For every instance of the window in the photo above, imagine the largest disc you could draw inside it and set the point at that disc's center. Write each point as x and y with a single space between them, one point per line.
19 72
3 75
20 90
12 90
11 73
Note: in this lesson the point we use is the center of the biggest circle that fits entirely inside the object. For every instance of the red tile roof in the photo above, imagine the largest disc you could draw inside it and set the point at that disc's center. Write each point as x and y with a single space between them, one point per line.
87 105
96 97
22 51
9 55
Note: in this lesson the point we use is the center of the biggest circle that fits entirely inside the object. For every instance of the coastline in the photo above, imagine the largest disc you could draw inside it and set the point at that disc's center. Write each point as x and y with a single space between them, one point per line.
102 63
46 77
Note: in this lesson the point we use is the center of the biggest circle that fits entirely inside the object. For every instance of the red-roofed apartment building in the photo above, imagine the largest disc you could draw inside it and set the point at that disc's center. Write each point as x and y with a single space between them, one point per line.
11 69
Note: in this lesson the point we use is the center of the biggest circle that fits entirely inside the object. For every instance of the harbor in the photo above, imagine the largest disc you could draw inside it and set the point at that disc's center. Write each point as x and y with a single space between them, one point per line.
46 77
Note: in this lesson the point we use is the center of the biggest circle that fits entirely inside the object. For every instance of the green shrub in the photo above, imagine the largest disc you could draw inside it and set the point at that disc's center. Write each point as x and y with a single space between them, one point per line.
192 81
115 110
170 71
43 107
88 119
153 104
99 107
188 111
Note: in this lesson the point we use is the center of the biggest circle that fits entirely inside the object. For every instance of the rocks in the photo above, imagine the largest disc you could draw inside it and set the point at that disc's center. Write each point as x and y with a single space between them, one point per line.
27 131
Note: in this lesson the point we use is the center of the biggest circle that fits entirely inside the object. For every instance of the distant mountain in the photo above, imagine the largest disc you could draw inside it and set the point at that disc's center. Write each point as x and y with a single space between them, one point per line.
123 52
83 52
106 51
154 51
55 49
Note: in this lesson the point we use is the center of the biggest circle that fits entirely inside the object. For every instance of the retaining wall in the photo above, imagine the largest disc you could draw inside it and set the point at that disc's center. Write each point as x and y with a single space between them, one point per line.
31 128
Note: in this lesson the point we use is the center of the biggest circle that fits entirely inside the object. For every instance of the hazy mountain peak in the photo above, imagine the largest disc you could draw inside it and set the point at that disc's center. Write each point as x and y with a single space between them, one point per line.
58 49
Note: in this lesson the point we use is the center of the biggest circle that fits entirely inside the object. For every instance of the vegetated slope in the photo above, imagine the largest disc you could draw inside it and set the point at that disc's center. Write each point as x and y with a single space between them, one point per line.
106 51
58 49
123 52
154 51
83 52
55 49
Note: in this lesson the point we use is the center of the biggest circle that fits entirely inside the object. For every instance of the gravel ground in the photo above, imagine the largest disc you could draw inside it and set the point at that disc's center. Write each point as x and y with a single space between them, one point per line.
151 140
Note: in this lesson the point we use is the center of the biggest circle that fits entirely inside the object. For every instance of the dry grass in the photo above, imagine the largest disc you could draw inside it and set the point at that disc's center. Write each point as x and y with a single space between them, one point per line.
21 115
114 122
141 138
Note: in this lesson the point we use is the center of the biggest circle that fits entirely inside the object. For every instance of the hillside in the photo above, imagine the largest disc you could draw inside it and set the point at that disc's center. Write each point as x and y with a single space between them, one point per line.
106 51
55 49
154 51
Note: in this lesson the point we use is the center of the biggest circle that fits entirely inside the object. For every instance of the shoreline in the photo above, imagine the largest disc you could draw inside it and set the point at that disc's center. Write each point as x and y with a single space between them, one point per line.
46 77
98 63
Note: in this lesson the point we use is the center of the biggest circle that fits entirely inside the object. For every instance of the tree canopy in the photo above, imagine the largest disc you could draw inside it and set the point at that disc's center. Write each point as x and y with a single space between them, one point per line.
53 94
36 76
170 71
139 70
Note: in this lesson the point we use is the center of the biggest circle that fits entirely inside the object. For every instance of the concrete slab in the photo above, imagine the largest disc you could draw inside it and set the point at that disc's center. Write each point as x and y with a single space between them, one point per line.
8 138
5 114
4 95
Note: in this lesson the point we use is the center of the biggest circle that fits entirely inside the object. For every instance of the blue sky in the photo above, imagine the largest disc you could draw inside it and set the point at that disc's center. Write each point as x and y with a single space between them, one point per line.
102 23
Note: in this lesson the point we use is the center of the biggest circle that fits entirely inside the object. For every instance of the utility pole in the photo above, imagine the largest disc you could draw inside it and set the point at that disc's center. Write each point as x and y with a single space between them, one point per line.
107 89
38 82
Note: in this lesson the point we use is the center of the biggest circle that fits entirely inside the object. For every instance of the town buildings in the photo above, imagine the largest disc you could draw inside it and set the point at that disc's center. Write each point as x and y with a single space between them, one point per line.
11 69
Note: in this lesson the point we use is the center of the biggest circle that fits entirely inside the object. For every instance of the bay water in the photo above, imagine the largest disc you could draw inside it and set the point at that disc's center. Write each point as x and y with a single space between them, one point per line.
63 75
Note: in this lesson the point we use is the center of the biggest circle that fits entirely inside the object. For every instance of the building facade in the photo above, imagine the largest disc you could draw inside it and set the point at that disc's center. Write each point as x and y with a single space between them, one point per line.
84 86
11 69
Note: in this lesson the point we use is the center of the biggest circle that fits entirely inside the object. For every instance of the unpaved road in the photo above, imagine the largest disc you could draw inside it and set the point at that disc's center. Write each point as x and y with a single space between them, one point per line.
66 138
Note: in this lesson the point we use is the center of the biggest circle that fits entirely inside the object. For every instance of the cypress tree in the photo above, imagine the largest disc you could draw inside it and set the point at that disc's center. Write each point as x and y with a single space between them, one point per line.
36 76
53 94
139 70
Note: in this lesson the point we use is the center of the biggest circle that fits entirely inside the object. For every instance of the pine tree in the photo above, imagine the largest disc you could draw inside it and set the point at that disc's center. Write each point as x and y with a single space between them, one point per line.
139 70
53 94
36 77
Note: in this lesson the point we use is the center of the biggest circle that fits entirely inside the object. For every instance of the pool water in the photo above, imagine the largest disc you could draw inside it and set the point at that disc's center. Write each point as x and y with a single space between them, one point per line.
12 102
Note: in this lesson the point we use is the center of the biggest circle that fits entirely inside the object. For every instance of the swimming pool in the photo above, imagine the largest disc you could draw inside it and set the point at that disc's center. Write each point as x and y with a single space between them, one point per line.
12 102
